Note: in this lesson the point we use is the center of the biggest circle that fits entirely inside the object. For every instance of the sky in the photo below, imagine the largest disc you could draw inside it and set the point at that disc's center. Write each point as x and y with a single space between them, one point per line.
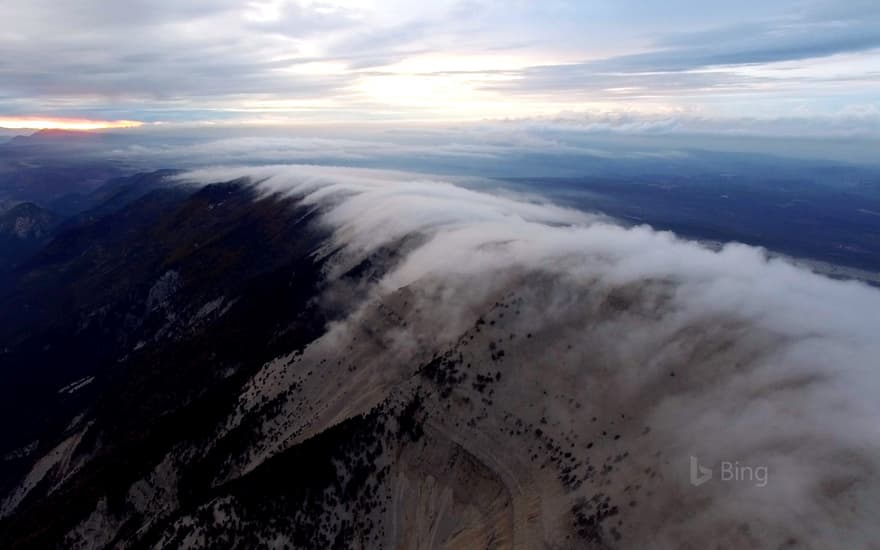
783 67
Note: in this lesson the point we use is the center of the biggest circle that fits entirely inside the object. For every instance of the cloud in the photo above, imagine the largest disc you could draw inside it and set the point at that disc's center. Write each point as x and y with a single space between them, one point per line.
754 43
711 60
568 144
202 56
230 59
725 355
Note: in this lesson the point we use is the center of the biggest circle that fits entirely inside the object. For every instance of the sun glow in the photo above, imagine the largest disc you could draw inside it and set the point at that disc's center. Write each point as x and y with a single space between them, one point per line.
34 123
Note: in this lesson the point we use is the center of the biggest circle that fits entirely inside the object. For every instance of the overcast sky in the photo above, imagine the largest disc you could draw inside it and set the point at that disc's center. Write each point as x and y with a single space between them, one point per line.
815 62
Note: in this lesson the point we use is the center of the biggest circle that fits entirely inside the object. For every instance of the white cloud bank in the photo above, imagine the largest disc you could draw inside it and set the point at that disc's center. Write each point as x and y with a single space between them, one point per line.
773 365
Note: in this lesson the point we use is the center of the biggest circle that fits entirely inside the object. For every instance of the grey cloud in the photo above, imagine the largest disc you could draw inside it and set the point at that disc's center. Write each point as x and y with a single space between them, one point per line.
170 53
675 62
754 44
95 15
297 21
590 82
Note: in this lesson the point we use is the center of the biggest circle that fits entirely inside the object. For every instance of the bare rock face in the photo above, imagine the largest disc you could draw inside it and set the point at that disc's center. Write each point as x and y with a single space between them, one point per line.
163 290
27 221
24 228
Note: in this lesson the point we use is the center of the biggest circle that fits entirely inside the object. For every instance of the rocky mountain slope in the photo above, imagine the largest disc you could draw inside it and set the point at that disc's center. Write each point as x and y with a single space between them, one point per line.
340 359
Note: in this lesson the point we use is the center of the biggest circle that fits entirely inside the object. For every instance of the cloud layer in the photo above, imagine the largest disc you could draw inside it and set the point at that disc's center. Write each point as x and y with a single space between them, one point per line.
345 61
773 365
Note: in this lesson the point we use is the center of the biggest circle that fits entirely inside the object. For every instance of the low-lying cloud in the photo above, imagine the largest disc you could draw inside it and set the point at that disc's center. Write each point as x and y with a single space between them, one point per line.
727 355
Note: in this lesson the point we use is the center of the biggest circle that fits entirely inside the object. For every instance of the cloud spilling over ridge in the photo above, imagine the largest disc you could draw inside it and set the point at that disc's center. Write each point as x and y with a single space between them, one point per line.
775 366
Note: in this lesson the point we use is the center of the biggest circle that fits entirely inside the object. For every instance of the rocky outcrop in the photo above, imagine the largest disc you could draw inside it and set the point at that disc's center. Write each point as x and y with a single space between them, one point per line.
24 228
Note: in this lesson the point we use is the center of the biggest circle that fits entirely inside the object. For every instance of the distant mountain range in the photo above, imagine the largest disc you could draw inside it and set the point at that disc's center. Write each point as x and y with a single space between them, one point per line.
66 138
52 169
